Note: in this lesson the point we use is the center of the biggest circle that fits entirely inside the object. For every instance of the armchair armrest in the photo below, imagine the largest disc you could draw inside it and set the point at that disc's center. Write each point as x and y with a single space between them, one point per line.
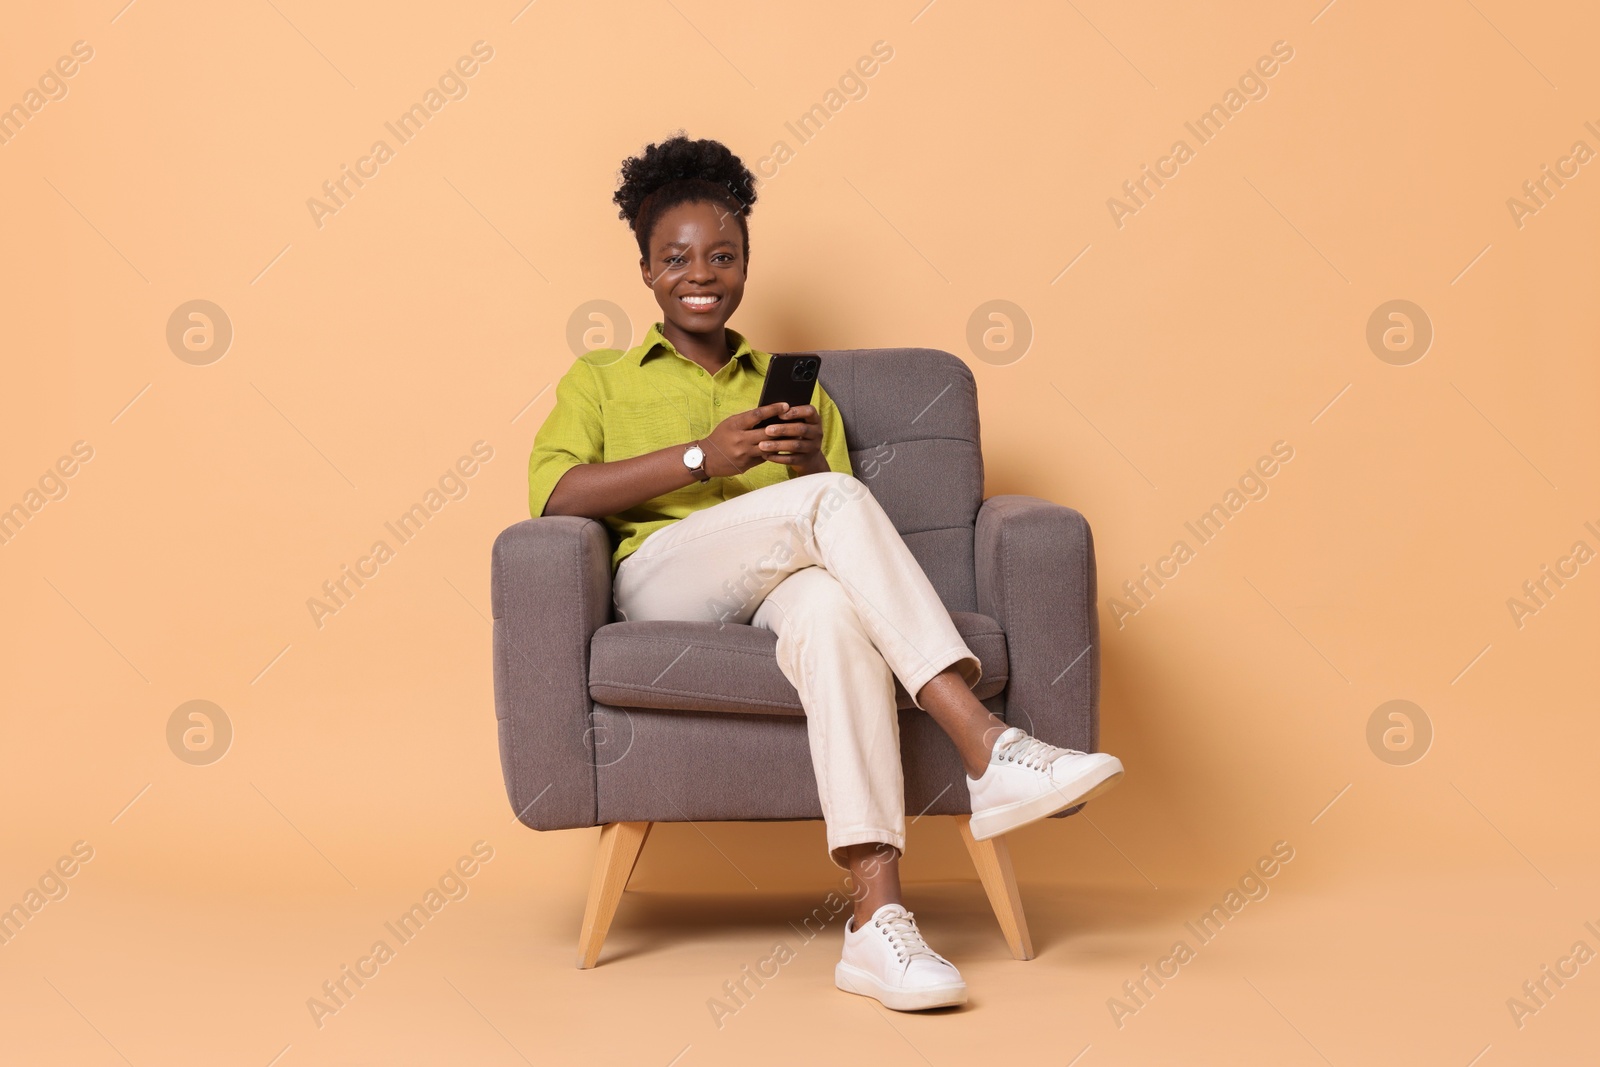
551 590
1036 577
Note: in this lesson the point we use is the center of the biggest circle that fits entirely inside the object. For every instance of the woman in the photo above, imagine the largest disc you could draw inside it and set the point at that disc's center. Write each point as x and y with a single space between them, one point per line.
715 520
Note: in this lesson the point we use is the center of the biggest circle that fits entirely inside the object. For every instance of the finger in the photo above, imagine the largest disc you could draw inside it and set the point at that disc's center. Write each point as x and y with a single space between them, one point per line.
800 412
796 444
794 429
765 411
786 444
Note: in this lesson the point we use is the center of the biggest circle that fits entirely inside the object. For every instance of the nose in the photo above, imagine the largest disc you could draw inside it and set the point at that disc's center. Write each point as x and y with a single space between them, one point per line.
700 270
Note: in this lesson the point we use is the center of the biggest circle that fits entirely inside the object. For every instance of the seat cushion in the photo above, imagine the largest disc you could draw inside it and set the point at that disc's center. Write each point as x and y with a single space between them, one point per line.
698 666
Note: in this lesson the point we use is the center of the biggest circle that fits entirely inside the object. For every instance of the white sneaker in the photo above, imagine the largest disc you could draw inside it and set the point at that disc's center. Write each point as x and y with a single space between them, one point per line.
1027 779
887 959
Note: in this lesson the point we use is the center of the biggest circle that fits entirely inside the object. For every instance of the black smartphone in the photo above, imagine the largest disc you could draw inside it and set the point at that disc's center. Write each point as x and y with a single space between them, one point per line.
791 378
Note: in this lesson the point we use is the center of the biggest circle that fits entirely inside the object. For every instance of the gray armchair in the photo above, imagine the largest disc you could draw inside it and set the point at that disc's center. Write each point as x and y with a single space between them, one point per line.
605 723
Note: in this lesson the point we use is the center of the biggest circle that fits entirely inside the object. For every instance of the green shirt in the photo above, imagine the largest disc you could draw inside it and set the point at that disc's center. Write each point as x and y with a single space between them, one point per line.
613 405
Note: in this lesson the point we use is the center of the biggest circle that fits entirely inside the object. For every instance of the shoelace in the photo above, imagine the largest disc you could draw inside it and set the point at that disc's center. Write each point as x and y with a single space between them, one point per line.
906 938
1032 752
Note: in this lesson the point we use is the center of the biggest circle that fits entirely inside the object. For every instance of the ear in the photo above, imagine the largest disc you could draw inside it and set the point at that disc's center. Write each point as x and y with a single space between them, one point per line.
644 272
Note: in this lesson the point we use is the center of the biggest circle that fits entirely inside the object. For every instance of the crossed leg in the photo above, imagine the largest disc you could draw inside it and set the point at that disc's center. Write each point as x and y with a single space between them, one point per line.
818 561
853 729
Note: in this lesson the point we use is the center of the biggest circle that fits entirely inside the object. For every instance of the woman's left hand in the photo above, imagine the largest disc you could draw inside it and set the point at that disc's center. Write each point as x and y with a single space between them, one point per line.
796 441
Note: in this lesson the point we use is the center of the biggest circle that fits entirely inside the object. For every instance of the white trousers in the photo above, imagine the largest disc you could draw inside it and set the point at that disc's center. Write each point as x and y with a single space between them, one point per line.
816 561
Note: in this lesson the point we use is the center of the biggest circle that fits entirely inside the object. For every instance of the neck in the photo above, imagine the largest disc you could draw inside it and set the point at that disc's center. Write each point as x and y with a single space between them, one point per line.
712 349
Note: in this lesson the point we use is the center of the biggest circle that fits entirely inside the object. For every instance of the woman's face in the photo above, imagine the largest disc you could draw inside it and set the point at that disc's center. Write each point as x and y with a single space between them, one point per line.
696 266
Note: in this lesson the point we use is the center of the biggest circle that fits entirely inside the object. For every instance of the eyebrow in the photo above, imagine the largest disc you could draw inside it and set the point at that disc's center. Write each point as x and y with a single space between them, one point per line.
685 244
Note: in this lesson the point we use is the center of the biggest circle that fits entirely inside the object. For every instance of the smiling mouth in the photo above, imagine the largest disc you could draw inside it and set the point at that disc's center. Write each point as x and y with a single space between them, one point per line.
700 301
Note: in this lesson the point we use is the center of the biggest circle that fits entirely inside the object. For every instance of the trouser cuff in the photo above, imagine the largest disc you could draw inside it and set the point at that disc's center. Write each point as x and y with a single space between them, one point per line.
959 657
862 837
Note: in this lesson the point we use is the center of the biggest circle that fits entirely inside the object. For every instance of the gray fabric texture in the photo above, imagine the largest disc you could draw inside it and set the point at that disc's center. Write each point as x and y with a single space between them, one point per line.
911 421
550 587
1036 577
676 766
588 735
699 666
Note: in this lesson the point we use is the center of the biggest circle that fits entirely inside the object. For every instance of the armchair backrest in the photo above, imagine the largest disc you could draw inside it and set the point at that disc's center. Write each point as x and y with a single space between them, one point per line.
911 421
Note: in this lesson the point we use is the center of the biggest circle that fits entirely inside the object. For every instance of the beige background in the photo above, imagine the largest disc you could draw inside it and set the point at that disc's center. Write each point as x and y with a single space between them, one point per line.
431 312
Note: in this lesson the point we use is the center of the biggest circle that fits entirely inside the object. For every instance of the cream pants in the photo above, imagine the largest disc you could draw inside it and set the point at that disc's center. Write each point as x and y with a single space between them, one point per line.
816 561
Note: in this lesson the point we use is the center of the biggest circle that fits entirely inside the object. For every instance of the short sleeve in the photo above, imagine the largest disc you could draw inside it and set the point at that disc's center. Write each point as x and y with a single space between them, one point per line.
572 435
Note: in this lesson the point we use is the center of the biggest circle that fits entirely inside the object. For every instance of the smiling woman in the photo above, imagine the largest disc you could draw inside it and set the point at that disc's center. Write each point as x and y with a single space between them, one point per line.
684 401
695 188
719 519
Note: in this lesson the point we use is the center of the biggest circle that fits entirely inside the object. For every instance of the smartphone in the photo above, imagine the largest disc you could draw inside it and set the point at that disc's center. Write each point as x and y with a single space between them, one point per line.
791 378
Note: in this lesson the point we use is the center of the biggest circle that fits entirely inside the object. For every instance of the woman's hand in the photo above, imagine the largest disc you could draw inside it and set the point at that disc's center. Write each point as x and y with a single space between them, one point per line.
797 441
735 445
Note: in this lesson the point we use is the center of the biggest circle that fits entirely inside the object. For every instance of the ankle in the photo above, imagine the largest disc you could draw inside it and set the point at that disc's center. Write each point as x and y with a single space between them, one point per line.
991 736
977 762
866 908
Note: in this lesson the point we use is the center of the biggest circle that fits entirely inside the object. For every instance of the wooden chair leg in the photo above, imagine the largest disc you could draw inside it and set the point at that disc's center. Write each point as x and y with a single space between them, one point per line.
993 861
620 845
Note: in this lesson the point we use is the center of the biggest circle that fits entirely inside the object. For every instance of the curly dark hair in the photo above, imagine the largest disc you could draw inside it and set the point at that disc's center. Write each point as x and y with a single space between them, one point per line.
679 171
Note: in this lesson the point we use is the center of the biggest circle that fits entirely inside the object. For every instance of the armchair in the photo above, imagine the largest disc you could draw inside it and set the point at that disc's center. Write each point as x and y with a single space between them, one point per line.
595 731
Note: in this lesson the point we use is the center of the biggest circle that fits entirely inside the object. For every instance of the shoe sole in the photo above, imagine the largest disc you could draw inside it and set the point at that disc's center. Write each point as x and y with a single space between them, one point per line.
855 980
1087 786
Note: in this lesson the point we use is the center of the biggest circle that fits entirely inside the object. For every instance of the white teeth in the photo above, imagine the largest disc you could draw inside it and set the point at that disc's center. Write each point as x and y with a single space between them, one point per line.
700 300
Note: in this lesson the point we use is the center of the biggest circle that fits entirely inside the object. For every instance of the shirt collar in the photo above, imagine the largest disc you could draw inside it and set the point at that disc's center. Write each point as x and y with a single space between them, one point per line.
656 341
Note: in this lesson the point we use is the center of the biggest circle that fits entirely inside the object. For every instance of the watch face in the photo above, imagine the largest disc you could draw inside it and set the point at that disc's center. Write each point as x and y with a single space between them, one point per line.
693 457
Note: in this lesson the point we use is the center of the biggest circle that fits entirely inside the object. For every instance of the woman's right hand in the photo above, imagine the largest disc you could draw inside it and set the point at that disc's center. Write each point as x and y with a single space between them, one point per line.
735 446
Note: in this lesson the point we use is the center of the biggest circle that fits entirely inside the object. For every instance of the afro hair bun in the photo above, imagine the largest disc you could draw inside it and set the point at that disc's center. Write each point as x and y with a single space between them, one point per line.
676 159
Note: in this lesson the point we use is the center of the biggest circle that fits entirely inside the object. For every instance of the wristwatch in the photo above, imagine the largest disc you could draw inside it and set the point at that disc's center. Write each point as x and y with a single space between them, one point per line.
694 457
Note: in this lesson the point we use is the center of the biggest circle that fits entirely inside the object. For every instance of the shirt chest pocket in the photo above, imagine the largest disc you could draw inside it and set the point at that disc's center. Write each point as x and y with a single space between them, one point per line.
634 427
